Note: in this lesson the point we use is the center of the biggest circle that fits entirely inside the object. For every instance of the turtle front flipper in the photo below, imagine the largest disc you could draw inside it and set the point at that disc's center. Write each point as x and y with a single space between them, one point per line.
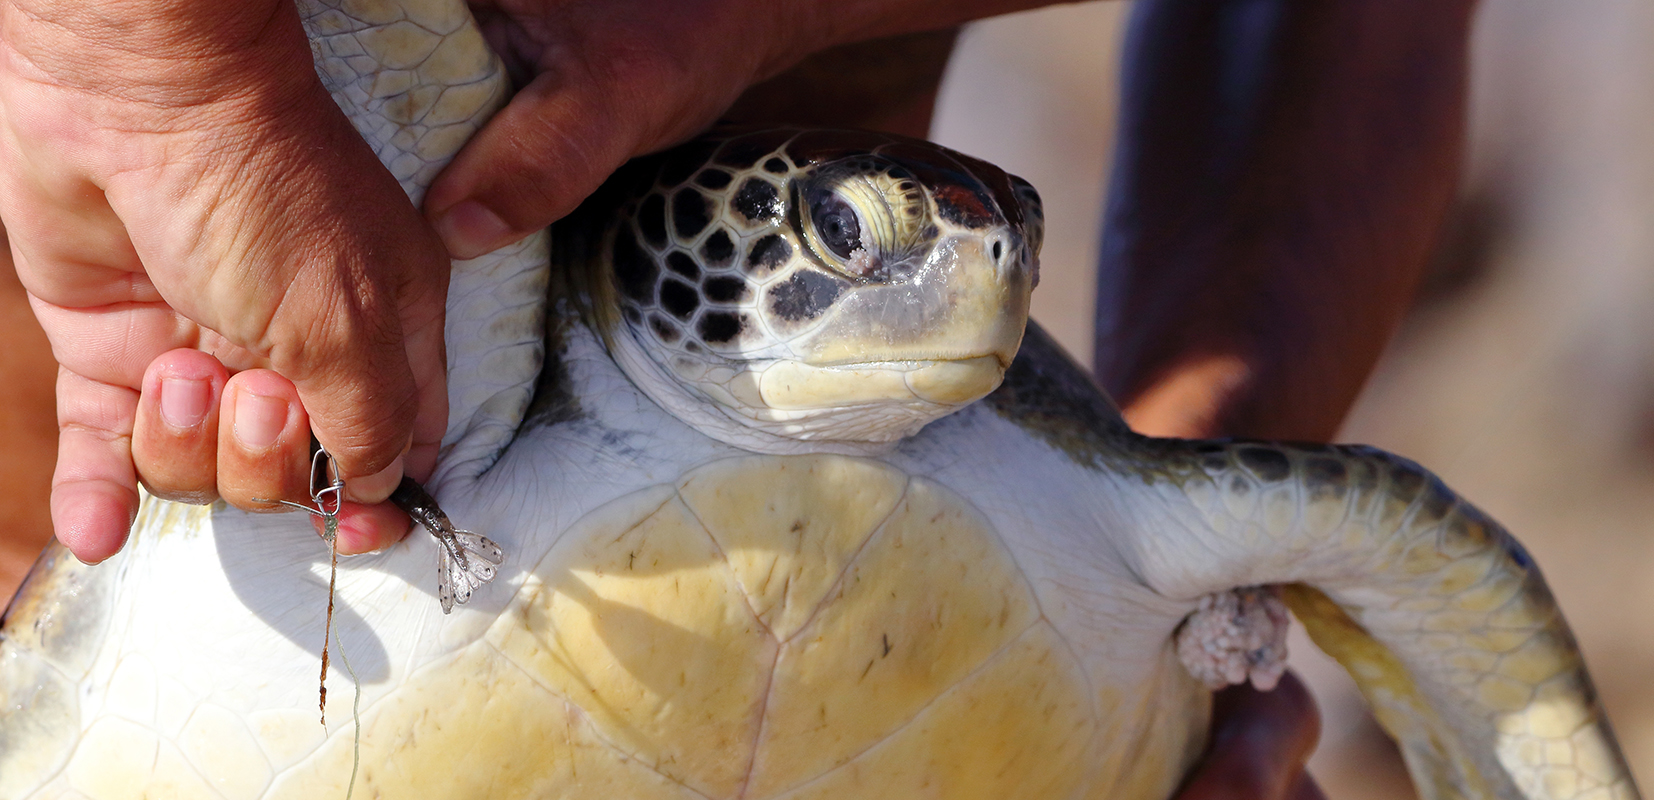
1439 614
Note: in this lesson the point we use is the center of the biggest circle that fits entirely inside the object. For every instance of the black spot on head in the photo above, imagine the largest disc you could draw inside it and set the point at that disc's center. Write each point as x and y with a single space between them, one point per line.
805 295
1406 479
635 270
725 289
758 201
684 264
679 298
651 220
742 152
1266 462
681 162
719 327
815 147
1436 502
689 213
768 254
664 328
1325 470
776 166
718 248
713 178
631 314
967 190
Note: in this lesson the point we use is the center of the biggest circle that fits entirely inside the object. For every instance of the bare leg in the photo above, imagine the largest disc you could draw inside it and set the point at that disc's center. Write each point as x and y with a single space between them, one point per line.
1283 172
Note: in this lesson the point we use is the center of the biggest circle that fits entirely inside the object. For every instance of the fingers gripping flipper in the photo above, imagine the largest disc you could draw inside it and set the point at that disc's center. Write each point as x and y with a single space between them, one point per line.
1439 614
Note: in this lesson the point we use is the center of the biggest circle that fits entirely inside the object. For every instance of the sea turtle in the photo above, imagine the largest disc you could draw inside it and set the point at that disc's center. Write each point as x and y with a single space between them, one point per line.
780 517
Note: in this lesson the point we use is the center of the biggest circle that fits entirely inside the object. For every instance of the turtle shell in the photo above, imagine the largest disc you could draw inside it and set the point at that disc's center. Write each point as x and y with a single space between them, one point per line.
767 626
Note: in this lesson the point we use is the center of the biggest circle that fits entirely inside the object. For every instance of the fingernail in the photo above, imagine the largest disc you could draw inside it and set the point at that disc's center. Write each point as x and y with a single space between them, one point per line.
375 488
259 420
469 230
184 401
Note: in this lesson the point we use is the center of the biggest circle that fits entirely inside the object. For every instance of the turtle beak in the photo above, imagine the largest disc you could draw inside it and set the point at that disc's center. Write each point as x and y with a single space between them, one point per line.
955 383
963 303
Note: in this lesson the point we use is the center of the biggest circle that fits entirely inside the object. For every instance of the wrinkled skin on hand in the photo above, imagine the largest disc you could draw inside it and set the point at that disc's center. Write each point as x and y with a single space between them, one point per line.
185 202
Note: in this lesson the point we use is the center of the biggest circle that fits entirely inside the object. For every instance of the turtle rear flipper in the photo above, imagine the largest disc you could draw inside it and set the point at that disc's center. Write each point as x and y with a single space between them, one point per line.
1437 612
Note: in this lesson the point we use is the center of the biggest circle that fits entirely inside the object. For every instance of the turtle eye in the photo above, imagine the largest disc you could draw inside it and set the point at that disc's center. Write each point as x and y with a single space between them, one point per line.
837 225
863 218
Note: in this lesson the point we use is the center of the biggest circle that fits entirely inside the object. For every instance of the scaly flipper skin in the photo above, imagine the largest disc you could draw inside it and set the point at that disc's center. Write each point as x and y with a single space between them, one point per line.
1439 614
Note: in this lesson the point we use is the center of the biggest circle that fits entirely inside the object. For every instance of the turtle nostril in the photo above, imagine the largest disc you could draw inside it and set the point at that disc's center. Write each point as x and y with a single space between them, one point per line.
997 249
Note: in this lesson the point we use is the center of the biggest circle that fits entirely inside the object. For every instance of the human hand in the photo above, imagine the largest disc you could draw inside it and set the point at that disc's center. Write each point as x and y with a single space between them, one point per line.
1258 746
607 80
185 201
218 259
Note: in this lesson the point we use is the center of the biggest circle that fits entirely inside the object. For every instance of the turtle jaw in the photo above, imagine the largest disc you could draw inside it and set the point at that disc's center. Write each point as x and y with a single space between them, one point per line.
796 386
875 364
788 406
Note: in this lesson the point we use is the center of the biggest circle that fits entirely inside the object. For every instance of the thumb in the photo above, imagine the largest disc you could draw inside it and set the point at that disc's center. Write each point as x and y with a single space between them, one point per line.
534 162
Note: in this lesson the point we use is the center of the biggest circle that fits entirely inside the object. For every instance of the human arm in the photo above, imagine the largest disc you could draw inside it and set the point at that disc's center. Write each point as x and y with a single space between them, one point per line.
1282 174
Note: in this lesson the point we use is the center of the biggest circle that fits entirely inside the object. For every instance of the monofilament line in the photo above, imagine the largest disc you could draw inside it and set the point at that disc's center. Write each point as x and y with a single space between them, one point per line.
330 532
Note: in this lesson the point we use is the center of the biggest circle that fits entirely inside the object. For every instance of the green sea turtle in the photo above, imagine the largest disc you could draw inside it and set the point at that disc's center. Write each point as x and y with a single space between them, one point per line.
778 516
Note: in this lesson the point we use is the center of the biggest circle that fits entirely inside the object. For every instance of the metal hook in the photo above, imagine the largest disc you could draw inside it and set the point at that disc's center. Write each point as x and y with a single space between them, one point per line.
326 484
327 487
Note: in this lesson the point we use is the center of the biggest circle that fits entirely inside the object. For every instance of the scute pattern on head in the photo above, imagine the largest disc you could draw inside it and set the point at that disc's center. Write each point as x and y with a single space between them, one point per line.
824 250
703 208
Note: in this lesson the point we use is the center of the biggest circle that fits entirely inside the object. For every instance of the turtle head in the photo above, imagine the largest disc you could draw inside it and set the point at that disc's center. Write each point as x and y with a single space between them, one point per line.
817 285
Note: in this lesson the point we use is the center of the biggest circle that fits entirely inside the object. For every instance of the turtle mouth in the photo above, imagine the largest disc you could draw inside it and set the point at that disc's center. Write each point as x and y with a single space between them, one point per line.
794 385
914 363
